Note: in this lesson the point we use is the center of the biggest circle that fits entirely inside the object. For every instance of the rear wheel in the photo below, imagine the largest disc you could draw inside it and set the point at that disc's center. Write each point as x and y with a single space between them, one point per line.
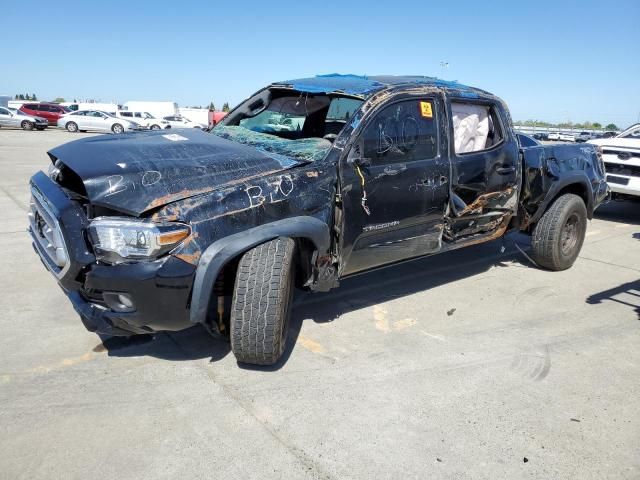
559 235
72 127
261 304
26 125
117 128
155 127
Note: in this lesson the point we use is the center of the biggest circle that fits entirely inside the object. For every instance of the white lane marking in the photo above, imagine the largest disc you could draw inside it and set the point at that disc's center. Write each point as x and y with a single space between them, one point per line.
430 335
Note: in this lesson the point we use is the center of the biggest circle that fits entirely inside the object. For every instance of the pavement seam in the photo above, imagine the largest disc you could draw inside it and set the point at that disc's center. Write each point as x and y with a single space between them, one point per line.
15 200
609 263
298 453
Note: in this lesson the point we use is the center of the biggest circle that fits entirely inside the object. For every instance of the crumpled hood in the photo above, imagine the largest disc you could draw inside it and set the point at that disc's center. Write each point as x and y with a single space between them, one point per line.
137 172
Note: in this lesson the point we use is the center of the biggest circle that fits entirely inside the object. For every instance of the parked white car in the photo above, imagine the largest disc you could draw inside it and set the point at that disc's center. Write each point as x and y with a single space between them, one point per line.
554 136
566 137
95 120
144 119
178 121
584 137
621 155
10 117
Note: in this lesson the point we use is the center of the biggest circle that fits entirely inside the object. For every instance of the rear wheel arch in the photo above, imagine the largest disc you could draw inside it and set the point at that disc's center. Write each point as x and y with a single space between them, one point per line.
578 188
577 185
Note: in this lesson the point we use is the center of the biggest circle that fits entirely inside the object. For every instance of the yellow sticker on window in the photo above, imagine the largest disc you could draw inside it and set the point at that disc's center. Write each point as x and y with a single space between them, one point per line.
425 110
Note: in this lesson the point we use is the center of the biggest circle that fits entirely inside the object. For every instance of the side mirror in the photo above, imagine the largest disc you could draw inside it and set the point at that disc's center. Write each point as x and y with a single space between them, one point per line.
355 158
359 162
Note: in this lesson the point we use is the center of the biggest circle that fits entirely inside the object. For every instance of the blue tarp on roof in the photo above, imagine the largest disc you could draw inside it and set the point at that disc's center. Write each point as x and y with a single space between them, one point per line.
351 84
363 85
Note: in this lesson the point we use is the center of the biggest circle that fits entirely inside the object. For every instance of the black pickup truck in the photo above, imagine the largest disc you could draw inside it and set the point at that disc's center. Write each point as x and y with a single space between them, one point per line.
306 182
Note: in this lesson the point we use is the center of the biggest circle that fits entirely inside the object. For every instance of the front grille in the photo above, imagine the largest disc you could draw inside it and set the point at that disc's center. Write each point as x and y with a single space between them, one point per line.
621 154
621 169
46 231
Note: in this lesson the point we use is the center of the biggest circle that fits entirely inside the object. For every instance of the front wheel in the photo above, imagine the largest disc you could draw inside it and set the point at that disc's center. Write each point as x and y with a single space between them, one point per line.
117 128
72 127
155 127
559 235
26 125
261 304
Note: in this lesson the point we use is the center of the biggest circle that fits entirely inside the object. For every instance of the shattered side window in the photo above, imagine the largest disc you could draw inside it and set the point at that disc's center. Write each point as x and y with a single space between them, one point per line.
342 108
402 132
306 149
271 122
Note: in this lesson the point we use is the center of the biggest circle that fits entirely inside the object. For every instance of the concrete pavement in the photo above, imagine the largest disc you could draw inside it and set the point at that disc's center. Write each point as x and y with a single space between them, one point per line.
468 365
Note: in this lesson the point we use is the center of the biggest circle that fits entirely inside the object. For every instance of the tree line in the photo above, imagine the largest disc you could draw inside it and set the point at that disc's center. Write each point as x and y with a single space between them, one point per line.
580 126
225 107
26 96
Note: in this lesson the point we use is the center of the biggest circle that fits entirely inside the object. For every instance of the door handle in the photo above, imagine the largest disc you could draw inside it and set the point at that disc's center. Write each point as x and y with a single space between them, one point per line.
506 169
441 180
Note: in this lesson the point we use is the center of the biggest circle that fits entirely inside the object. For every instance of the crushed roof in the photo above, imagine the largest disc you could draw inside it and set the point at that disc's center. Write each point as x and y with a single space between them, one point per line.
361 85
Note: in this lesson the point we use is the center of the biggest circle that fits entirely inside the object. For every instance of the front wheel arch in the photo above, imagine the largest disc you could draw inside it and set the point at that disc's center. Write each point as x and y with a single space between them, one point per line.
221 254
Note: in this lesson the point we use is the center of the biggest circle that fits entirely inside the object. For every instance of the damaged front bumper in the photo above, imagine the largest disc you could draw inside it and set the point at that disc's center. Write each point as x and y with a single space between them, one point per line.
119 300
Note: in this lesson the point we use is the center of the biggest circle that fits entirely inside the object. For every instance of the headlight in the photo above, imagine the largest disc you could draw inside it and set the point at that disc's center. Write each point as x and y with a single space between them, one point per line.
53 171
120 240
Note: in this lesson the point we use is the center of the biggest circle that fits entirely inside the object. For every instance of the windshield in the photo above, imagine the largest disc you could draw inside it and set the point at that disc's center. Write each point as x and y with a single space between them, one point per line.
148 115
307 149
632 132
289 123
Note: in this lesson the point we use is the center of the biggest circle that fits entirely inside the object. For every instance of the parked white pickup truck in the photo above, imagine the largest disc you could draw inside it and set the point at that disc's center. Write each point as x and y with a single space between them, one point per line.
621 155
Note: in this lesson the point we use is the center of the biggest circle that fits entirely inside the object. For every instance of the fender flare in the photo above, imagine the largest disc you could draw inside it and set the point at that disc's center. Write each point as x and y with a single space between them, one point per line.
220 252
576 178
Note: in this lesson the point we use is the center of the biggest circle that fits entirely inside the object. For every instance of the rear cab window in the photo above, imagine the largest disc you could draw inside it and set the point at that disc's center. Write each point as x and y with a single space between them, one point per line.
476 127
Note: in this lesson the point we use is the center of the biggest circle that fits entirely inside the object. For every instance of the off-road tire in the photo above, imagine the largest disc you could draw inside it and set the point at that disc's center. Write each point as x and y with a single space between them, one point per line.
71 127
26 125
117 128
558 236
261 304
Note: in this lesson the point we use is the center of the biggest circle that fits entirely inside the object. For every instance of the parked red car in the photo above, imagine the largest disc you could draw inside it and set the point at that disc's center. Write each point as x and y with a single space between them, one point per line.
51 111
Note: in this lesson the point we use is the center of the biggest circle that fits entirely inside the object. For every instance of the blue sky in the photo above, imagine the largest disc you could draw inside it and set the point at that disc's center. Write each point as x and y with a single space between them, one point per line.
550 60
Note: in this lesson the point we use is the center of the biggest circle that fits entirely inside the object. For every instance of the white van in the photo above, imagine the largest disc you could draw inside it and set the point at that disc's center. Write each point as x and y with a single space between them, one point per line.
144 119
157 109
111 108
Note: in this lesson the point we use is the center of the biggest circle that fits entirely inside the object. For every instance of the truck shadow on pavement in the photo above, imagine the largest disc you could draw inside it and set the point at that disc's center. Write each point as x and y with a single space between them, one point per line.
625 294
624 211
354 293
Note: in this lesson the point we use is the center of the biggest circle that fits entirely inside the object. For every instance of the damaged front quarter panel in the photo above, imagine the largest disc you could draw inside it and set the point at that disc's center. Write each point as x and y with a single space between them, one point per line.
303 191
